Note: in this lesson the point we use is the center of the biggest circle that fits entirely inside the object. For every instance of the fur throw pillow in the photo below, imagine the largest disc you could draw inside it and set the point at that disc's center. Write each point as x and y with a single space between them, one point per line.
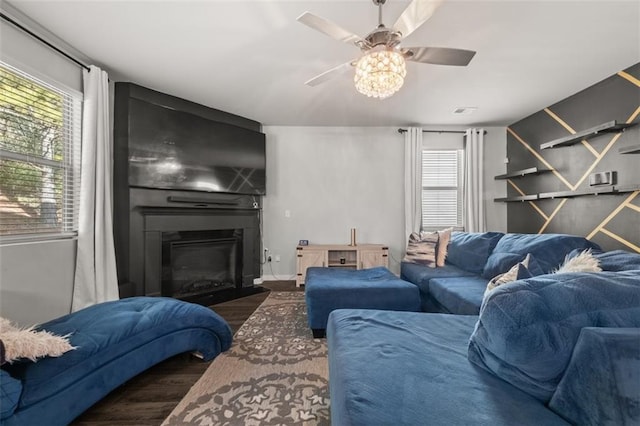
583 262
30 343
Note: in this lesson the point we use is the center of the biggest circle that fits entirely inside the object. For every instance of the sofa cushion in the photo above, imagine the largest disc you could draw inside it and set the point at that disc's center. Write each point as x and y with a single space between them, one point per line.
10 390
499 263
459 295
548 249
602 382
420 276
402 368
527 330
617 260
470 250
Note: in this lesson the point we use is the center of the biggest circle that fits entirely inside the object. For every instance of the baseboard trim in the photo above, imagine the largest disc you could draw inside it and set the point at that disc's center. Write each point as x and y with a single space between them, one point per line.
277 278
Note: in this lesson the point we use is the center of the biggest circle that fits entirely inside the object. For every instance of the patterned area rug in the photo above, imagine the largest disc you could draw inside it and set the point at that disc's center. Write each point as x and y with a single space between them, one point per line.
275 373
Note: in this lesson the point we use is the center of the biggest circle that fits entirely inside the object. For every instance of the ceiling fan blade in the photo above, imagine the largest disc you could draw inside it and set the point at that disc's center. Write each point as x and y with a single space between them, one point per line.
329 28
416 14
438 55
328 75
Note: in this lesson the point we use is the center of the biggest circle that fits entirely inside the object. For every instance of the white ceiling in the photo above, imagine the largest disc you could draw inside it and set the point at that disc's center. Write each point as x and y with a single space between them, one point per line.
252 58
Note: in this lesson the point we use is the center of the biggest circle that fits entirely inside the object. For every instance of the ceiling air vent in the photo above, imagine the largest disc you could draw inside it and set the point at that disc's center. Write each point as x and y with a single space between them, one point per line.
464 110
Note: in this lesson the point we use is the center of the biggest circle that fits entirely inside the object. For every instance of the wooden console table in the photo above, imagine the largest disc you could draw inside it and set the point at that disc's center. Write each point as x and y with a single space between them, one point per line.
361 256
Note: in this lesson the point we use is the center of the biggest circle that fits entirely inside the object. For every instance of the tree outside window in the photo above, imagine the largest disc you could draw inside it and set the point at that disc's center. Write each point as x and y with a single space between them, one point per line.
36 162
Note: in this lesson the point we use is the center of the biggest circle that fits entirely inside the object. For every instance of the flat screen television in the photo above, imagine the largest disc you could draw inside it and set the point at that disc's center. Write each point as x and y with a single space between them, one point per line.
172 149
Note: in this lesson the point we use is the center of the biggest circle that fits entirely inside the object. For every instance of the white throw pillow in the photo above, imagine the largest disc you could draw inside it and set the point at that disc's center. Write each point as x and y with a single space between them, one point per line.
584 262
31 344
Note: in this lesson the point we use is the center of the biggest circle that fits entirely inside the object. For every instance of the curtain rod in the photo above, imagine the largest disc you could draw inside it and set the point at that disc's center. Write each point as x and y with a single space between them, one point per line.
437 131
40 39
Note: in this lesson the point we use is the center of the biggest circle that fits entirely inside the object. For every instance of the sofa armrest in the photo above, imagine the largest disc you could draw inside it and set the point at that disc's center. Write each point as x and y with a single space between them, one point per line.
601 385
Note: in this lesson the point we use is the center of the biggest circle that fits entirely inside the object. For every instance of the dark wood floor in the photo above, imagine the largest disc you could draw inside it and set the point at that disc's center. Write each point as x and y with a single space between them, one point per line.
149 398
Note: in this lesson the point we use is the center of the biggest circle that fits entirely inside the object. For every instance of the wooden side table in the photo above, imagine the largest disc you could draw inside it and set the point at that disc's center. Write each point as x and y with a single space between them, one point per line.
361 256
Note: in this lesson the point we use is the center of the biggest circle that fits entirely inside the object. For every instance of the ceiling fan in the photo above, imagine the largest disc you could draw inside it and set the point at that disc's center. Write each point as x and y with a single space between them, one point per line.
380 71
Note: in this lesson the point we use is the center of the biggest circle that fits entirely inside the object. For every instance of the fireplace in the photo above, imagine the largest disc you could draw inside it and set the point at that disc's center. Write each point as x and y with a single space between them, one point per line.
179 242
203 248
201 262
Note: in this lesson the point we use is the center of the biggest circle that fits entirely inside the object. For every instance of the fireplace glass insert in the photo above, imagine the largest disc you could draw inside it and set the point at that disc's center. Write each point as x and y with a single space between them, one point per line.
195 263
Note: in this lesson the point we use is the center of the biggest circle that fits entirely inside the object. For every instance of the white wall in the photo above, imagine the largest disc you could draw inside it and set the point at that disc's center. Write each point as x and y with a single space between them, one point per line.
332 179
36 279
495 151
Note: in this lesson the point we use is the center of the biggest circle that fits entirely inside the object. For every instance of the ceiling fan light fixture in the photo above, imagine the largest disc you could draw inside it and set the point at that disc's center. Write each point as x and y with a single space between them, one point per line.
380 74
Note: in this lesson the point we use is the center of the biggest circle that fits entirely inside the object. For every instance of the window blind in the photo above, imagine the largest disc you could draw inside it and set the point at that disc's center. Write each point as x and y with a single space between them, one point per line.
39 155
441 188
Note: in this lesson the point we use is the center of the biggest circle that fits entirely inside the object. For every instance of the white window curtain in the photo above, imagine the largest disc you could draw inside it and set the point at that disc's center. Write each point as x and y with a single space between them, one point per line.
474 217
412 180
95 276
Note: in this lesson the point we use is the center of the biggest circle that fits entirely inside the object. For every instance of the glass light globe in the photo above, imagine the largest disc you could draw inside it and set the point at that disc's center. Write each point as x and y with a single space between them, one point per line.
380 74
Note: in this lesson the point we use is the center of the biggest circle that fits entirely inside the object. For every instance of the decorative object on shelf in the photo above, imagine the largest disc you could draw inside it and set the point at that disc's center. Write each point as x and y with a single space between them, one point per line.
602 178
608 127
521 173
381 70
303 242
353 237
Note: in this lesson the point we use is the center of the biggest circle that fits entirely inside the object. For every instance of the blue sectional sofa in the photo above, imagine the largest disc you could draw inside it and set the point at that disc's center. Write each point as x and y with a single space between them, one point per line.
474 258
115 341
553 349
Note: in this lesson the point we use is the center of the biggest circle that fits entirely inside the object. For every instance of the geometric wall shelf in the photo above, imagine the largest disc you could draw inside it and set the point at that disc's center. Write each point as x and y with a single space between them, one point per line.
633 149
608 127
521 173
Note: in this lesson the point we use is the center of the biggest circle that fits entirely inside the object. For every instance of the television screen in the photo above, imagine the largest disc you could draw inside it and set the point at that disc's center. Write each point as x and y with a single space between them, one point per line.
171 149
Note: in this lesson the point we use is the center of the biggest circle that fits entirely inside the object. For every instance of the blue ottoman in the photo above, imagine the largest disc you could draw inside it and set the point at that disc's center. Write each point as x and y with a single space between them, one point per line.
327 289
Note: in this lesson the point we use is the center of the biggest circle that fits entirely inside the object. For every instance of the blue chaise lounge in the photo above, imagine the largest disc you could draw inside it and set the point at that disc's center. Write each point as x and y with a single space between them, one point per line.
115 341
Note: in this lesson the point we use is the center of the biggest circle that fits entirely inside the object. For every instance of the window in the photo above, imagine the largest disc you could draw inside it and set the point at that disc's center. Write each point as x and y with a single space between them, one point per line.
39 156
442 187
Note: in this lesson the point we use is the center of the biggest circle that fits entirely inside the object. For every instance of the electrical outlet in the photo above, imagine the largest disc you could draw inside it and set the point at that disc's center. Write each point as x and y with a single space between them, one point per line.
277 257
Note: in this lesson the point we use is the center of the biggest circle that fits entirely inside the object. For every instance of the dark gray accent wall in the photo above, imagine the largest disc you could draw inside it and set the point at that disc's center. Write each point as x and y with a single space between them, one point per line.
611 220
136 208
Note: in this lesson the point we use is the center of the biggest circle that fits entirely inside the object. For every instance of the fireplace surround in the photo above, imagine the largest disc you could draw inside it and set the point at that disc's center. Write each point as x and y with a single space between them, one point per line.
195 223
220 229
